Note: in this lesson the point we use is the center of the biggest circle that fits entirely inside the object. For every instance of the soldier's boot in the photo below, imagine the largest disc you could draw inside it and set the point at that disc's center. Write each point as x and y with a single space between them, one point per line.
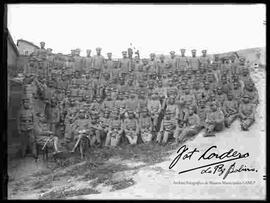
55 144
209 131
159 136
108 139
165 137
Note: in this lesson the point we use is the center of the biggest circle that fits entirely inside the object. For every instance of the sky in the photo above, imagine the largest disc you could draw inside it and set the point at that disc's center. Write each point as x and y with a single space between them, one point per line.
149 28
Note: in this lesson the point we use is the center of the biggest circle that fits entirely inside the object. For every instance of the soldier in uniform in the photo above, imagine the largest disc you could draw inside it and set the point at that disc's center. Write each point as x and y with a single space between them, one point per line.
202 111
247 112
230 109
192 127
88 61
25 125
194 61
182 62
220 96
123 64
167 128
252 91
152 66
154 108
115 130
131 128
173 61
214 120
145 126
161 66
237 91
78 62
204 60
185 101
98 62
43 135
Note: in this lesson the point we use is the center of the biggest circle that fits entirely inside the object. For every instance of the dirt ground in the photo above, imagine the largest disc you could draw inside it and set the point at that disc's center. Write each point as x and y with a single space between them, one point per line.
142 171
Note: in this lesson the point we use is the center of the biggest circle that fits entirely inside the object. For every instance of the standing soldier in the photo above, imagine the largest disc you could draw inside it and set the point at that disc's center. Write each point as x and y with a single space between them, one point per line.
173 61
230 109
204 60
216 66
182 62
109 65
152 65
131 60
78 63
194 61
247 112
123 64
88 61
52 111
98 62
131 128
214 120
161 66
25 125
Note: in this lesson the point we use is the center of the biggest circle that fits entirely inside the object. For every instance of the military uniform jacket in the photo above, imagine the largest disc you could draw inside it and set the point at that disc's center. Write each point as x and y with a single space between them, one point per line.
98 62
130 124
205 61
194 63
124 65
230 107
169 125
193 120
25 120
247 110
145 124
213 117
182 63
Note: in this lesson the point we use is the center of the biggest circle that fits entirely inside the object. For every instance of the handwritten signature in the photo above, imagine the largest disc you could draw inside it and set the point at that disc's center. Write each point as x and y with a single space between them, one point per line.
215 167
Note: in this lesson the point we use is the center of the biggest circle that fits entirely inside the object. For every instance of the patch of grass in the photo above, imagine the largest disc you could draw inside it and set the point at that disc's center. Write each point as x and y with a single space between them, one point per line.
60 194
121 184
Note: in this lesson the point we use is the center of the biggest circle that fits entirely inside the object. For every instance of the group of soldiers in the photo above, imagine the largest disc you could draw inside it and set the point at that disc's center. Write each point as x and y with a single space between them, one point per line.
131 100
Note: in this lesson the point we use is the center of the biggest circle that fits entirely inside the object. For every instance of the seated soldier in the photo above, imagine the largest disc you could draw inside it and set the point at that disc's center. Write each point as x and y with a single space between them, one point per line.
43 136
115 130
145 126
230 109
192 127
214 120
252 92
167 128
247 113
131 128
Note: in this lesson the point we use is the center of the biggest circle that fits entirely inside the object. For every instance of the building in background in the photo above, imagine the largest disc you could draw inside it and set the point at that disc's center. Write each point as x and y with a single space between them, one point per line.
14 94
25 47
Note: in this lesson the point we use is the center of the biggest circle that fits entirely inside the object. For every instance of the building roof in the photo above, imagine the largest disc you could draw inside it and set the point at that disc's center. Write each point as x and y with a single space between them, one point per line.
30 43
12 42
